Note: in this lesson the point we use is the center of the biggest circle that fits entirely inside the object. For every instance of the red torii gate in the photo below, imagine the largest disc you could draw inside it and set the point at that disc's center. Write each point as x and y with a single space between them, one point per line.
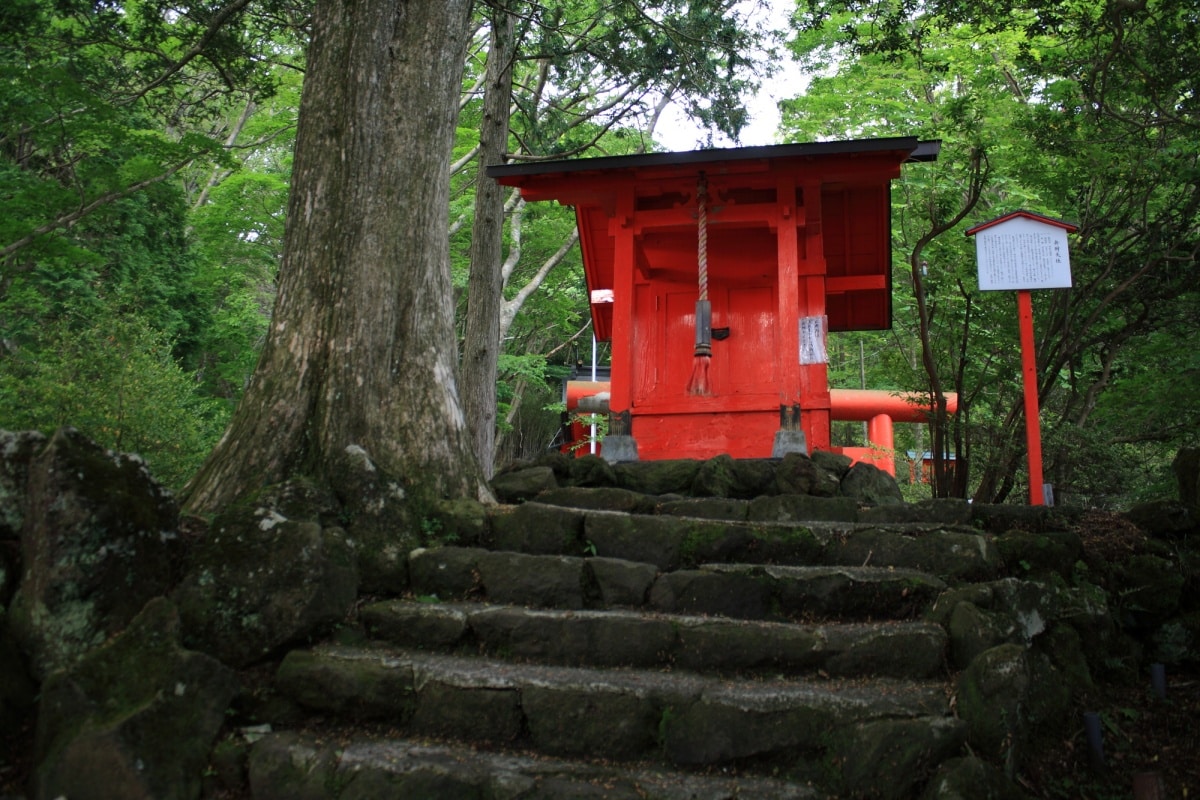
797 244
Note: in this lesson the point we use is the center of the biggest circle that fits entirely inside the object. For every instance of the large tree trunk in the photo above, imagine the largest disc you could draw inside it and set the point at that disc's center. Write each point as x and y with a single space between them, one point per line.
481 345
361 348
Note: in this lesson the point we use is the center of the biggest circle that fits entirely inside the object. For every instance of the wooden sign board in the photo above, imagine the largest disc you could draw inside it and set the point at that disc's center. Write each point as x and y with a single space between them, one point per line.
1023 252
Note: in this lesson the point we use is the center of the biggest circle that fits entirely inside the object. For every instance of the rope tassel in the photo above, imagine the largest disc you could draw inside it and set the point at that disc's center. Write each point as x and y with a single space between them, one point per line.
698 383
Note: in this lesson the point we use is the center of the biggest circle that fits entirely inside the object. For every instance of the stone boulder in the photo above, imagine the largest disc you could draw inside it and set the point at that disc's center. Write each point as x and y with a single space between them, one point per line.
17 449
590 470
658 477
135 718
802 508
819 476
502 577
1167 519
539 528
602 498
835 464
526 483
991 692
1027 552
970 778
1006 694
973 630
1000 518
18 692
260 581
743 478
940 511
950 552
455 521
559 463
1150 588
99 539
981 616
871 486
885 758
719 508
1063 645
379 517
665 541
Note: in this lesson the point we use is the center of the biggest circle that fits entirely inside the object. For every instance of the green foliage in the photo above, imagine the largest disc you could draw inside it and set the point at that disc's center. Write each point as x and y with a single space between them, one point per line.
666 719
117 382
237 230
144 152
608 62
132 253
1072 112
434 533
95 106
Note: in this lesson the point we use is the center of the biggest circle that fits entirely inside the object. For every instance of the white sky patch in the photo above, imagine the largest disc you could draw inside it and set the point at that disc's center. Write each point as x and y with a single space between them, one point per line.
676 132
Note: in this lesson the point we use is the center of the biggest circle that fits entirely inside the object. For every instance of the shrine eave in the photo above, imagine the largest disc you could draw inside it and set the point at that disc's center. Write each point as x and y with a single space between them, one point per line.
915 150
659 190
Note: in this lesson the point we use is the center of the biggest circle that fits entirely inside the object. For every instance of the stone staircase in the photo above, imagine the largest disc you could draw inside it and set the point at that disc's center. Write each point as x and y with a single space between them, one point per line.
775 647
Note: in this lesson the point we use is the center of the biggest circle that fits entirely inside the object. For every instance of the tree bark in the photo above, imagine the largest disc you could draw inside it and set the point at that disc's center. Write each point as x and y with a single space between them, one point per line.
485 285
361 347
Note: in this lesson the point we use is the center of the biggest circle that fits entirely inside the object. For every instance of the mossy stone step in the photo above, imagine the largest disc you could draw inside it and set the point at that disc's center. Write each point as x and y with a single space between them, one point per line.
621 638
828 592
952 551
680 717
545 581
733 590
285 766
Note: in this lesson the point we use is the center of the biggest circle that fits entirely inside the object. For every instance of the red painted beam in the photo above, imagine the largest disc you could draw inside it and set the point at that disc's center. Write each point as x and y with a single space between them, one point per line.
861 405
864 404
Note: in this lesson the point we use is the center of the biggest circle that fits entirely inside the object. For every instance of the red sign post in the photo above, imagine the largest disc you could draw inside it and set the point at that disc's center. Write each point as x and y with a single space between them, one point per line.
1025 251
1033 425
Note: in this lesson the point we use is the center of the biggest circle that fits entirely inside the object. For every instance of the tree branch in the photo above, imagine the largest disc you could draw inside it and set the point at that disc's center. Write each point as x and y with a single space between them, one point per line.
67 220
510 308
214 27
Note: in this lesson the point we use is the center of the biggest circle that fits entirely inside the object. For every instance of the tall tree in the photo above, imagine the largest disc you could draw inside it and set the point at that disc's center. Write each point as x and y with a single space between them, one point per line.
485 292
360 352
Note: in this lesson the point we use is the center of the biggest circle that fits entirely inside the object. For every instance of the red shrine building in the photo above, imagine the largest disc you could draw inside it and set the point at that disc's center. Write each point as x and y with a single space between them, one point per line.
716 275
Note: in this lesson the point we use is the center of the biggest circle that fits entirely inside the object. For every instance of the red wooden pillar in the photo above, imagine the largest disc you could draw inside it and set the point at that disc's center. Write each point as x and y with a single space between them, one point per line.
881 432
814 378
787 217
621 398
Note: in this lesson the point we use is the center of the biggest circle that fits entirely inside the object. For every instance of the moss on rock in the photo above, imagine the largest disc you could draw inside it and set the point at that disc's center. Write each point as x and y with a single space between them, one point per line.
259 581
135 718
99 540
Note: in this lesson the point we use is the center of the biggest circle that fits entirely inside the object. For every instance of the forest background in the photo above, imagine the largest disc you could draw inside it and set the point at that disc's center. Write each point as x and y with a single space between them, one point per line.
145 156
